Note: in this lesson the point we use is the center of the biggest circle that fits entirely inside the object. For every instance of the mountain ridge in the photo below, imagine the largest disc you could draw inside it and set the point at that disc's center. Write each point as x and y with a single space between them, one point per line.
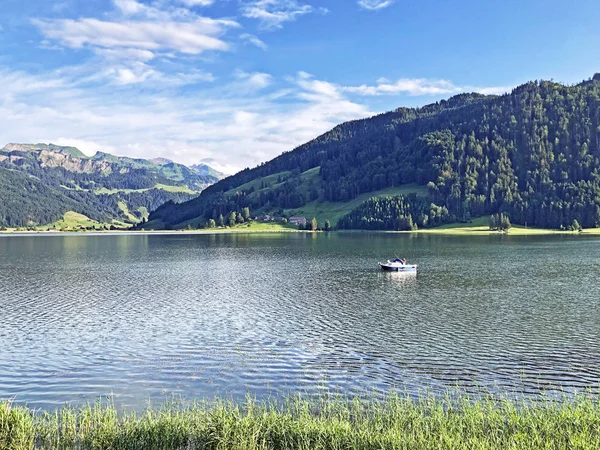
533 154
103 187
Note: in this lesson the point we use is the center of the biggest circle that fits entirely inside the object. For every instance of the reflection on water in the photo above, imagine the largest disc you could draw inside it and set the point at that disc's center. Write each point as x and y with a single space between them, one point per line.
143 316
398 277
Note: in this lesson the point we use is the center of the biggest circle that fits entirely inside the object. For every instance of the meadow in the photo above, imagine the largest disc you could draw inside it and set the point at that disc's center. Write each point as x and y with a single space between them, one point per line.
328 422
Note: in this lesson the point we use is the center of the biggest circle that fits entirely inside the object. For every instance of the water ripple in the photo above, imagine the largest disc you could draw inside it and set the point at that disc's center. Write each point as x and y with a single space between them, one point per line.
142 317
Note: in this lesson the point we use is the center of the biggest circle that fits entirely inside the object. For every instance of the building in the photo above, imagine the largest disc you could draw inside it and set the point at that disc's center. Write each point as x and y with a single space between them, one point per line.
296 220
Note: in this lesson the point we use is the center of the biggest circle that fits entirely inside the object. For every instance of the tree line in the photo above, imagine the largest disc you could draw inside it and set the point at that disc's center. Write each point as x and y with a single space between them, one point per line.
532 155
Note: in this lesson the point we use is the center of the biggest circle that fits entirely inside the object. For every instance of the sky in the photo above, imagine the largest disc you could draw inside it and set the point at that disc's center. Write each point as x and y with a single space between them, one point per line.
234 83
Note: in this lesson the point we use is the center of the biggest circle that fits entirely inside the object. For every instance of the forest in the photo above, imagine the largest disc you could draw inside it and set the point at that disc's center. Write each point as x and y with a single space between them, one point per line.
39 183
532 154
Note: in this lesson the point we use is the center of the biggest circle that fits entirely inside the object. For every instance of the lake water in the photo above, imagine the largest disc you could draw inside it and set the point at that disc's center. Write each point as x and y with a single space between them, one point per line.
146 316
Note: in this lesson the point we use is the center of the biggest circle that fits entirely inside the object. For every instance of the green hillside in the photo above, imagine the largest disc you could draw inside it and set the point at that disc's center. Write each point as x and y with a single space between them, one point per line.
533 155
39 183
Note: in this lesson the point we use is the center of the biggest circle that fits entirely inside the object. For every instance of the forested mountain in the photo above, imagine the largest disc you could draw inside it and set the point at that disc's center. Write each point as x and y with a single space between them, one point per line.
40 182
533 154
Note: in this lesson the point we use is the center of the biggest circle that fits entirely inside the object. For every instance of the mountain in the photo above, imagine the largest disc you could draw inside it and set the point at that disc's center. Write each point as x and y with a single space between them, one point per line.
532 154
204 169
39 183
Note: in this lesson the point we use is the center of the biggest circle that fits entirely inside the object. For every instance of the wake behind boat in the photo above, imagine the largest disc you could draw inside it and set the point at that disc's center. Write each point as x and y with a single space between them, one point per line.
398 265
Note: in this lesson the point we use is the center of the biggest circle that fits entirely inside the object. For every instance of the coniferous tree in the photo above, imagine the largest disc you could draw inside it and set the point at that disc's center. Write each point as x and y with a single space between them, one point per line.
532 155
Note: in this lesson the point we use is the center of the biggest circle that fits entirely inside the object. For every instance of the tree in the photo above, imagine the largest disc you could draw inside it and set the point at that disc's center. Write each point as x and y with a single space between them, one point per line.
504 222
239 218
314 225
246 214
575 226
212 223
500 222
231 219
531 155
221 221
327 226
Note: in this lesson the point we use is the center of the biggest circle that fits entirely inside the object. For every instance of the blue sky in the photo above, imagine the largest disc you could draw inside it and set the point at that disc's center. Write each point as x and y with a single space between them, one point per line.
237 82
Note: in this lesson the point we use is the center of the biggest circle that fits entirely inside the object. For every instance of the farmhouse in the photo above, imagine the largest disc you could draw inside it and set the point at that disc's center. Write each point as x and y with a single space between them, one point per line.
296 220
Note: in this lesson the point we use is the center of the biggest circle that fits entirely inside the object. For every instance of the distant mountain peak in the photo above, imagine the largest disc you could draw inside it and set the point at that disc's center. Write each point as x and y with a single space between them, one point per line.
204 169
161 161
73 151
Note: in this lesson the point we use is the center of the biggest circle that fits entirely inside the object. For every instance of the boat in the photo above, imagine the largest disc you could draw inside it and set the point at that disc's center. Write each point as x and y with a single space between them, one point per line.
397 265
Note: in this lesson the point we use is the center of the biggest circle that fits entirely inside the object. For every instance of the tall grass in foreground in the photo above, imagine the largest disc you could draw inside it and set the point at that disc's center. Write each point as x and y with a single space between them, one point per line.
327 423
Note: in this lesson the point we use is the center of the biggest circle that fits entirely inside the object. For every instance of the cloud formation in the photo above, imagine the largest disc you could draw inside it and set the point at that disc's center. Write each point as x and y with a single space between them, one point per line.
239 123
374 5
254 40
420 86
272 14
135 37
148 85
185 37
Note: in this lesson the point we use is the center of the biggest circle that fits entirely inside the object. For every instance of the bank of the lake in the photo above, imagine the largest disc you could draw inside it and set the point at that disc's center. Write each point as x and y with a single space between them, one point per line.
475 227
324 423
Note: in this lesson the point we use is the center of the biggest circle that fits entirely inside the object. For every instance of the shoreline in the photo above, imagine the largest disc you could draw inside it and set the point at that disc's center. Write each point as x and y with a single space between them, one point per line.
439 231
430 231
490 422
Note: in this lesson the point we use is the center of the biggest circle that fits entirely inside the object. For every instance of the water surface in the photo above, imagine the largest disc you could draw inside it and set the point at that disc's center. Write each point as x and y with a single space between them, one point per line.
144 316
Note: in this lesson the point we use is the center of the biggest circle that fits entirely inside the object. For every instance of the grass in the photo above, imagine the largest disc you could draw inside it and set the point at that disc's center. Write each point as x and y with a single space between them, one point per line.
168 188
249 227
333 211
73 220
480 226
267 181
123 207
164 187
324 423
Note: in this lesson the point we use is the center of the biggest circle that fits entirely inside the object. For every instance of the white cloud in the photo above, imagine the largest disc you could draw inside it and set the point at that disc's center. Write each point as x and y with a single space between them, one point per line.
89 148
197 2
130 7
234 125
133 40
420 86
374 5
191 38
128 76
254 40
257 80
127 54
273 13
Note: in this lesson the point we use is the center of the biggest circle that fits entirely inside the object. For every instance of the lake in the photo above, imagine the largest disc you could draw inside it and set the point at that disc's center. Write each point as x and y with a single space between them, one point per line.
146 316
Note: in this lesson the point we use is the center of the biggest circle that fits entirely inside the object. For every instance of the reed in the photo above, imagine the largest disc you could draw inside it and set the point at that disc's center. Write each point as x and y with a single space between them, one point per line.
325 423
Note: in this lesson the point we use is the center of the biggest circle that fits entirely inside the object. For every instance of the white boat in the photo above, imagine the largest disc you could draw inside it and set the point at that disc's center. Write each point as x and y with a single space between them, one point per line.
398 265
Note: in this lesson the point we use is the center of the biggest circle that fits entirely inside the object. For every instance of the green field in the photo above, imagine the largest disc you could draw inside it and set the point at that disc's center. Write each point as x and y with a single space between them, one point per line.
333 211
329 422
73 221
480 226
164 187
268 181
